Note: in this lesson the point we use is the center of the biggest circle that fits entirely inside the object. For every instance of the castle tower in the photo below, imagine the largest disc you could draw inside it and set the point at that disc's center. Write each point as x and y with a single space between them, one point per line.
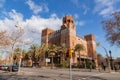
68 32
91 48
45 35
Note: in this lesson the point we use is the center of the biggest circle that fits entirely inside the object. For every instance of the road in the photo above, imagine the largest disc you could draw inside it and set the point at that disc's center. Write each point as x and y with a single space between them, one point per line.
57 74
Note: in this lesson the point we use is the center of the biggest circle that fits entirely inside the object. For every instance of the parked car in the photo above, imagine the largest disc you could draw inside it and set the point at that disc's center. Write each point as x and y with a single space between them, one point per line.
14 68
5 67
0 67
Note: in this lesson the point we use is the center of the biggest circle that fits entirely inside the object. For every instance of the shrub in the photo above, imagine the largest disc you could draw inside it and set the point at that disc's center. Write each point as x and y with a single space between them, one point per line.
64 64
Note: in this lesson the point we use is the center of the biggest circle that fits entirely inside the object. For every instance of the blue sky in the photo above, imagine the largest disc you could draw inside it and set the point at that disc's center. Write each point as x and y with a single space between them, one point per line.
39 14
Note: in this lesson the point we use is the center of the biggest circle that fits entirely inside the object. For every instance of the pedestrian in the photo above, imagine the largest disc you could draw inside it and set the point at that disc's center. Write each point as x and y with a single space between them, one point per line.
90 67
103 66
116 67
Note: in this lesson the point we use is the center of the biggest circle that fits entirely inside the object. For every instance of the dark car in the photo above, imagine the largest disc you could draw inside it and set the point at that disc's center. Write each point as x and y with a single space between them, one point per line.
14 68
0 67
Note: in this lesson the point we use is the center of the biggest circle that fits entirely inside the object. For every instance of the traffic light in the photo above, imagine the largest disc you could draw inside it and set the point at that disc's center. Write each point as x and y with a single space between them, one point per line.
69 53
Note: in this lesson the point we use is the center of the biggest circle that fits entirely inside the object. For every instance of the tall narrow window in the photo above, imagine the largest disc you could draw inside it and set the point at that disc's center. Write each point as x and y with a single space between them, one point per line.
73 43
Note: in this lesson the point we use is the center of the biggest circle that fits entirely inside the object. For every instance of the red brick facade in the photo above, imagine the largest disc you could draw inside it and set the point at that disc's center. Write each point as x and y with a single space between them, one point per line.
67 35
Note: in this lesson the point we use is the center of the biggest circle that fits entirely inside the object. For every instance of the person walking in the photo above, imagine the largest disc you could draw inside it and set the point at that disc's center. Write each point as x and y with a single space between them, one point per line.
116 67
90 67
103 66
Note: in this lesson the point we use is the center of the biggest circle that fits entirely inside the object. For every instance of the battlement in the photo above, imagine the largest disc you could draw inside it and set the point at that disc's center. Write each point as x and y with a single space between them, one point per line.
68 22
47 31
89 37
68 19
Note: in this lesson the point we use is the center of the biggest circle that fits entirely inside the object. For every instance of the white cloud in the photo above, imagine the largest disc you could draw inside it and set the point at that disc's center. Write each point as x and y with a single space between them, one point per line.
106 11
53 15
36 8
40 23
2 3
80 23
86 9
76 16
10 19
34 24
105 7
81 6
76 2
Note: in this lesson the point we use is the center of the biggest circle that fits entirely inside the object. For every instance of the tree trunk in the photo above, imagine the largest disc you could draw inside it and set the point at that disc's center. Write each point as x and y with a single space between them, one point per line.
79 59
52 63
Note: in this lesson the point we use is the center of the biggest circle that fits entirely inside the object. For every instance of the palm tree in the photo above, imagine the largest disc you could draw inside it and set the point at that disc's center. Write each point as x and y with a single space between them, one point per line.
40 53
28 58
24 58
52 51
78 48
33 52
16 55
99 59
62 50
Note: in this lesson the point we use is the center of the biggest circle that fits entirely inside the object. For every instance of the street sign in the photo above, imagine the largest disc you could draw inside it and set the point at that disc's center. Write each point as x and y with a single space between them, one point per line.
21 56
47 60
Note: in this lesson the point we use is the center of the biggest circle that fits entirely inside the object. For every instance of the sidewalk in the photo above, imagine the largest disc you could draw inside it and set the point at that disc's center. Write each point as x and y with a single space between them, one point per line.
67 69
88 70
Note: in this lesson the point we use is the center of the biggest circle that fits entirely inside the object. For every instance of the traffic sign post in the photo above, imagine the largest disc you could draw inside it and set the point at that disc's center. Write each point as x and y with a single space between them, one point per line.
70 56
20 57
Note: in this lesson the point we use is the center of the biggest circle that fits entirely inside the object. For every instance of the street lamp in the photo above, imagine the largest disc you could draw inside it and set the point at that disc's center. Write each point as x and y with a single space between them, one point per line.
108 58
111 63
98 44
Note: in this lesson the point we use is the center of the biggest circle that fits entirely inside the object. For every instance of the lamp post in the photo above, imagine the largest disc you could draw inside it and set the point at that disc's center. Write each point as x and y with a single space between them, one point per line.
111 63
108 58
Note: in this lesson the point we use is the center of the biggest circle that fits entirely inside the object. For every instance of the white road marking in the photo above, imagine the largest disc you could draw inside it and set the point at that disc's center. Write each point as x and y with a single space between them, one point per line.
93 75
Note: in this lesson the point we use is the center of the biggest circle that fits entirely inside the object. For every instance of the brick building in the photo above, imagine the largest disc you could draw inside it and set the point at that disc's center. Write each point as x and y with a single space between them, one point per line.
67 35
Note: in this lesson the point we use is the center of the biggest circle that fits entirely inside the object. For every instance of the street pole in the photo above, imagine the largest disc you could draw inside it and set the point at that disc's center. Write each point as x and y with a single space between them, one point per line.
111 62
20 57
70 69
19 65
70 57
11 60
108 59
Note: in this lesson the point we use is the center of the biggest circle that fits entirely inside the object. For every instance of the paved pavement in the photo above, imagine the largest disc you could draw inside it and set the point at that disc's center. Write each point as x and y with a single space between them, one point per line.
58 74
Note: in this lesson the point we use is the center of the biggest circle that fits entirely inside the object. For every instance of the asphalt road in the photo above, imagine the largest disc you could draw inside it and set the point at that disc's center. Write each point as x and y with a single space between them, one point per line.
57 74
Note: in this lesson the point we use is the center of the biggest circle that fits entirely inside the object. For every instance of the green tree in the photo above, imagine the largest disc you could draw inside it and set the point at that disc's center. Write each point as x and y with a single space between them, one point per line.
33 53
40 53
99 59
78 48
62 50
51 52
16 55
